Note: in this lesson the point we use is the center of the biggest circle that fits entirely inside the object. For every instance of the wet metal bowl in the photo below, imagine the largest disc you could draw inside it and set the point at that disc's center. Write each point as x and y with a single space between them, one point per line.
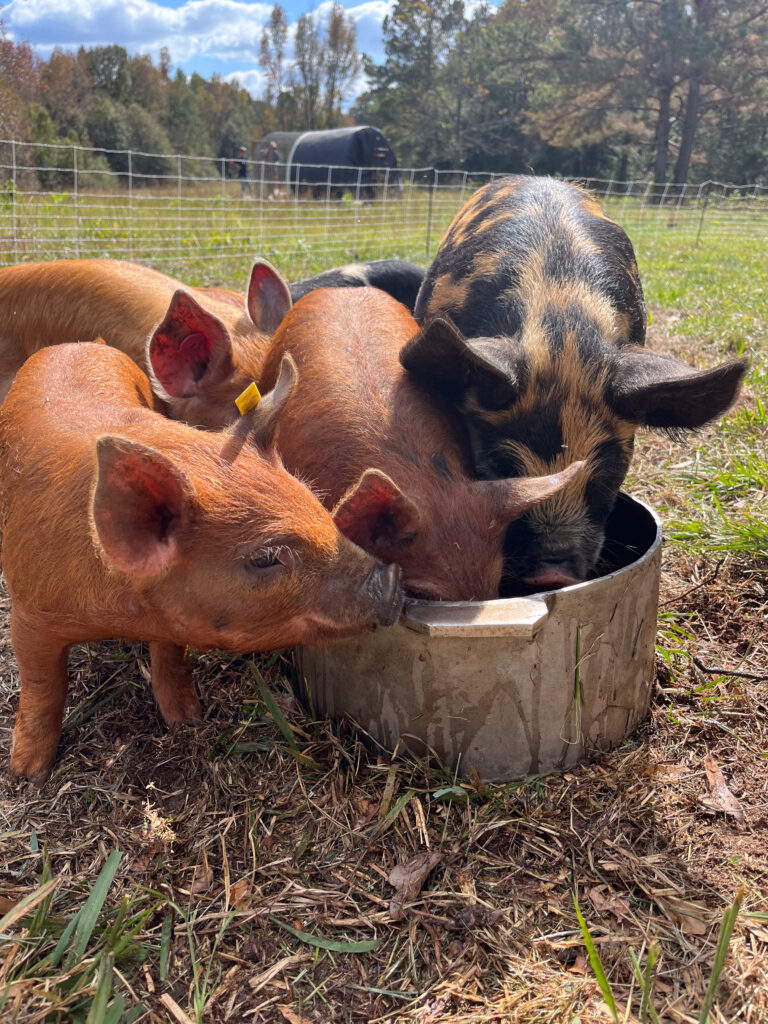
512 687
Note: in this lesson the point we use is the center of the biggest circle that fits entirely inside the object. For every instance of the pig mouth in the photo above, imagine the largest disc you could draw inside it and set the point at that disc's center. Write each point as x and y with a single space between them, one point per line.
551 578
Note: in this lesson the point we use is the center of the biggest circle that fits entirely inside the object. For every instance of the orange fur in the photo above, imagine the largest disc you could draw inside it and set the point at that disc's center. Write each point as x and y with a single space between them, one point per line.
355 408
45 304
66 586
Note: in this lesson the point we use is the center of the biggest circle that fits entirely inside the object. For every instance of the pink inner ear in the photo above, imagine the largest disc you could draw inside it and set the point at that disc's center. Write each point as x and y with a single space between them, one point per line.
268 301
196 350
362 515
179 369
137 501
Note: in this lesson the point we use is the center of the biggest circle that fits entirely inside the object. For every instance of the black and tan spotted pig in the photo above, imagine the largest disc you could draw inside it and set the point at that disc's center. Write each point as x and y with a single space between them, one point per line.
533 325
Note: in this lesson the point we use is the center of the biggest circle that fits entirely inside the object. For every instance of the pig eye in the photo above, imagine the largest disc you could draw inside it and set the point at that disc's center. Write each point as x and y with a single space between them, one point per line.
264 559
264 563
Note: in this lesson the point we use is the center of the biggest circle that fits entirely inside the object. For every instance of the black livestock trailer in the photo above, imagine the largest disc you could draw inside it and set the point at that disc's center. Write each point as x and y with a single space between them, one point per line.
329 163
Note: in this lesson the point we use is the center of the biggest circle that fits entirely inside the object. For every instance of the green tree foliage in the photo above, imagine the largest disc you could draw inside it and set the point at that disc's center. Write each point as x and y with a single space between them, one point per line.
104 98
672 89
410 98
107 127
147 137
109 69
182 119
641 74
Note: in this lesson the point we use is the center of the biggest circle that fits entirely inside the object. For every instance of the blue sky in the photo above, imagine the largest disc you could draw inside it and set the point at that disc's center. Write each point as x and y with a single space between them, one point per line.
202 35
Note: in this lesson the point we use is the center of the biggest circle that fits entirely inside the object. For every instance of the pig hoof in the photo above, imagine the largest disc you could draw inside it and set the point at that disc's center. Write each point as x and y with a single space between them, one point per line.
180 723
189 714
26 766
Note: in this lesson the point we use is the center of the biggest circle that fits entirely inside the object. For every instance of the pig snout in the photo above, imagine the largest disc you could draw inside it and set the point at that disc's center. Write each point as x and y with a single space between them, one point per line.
551 575
385 586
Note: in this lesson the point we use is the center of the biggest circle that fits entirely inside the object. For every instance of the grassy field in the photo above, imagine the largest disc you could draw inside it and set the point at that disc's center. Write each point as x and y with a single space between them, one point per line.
210 234
238 872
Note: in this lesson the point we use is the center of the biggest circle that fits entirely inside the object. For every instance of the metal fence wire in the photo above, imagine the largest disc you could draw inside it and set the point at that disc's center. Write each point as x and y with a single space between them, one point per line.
169 210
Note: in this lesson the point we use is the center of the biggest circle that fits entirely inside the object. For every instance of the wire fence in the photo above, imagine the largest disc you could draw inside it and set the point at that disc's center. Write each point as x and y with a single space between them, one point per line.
170 211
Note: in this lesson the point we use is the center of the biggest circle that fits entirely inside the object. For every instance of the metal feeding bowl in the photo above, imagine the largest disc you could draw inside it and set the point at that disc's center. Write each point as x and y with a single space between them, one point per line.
513 687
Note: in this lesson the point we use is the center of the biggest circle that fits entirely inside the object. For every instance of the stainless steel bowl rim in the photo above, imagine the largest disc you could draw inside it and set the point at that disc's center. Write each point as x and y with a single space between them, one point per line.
413 604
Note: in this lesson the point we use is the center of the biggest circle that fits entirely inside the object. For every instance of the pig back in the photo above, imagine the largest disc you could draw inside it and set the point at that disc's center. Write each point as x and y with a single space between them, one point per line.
354 406
79 300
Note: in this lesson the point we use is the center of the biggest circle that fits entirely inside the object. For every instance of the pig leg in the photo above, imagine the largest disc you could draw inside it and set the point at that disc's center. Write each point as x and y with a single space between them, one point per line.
42 665
172 684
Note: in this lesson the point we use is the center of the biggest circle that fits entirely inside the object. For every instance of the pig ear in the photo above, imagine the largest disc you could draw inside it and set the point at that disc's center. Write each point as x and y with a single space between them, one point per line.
269 297
443 360
375 514
657 391
189 349
140 501
262 422
514 496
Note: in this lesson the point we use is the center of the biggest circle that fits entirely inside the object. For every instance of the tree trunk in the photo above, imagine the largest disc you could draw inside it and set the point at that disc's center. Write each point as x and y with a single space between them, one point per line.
703 19
661 141
690 124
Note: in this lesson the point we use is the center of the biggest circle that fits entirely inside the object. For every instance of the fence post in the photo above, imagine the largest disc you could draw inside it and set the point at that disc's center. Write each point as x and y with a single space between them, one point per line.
178 203
76 202
14 215
432 186
383 213
130 204
407 197
328 180
356 214
706 185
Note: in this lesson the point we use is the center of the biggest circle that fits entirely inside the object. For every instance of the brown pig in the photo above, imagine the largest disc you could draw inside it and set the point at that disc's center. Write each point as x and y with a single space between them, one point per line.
201 346
391 460
120 523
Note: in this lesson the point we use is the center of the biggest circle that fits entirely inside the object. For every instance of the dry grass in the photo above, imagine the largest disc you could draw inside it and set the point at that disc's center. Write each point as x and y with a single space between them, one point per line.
228 837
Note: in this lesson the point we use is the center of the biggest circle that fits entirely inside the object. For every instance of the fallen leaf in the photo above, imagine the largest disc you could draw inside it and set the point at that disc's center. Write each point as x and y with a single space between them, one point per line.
609 904
140 864
369 812
292 1017
201 879
579 965
408 878
692 917
720 797
238 892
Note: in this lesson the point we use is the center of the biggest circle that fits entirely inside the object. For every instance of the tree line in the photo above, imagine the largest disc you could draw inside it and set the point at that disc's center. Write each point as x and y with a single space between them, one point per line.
105 98
674 90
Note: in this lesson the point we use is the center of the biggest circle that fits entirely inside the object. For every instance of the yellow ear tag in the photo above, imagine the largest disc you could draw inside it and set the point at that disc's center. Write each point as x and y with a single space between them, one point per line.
248 400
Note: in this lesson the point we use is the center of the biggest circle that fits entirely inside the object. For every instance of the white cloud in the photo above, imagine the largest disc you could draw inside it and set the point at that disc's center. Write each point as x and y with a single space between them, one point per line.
225 31
218 32
220 29
253 80
368 18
